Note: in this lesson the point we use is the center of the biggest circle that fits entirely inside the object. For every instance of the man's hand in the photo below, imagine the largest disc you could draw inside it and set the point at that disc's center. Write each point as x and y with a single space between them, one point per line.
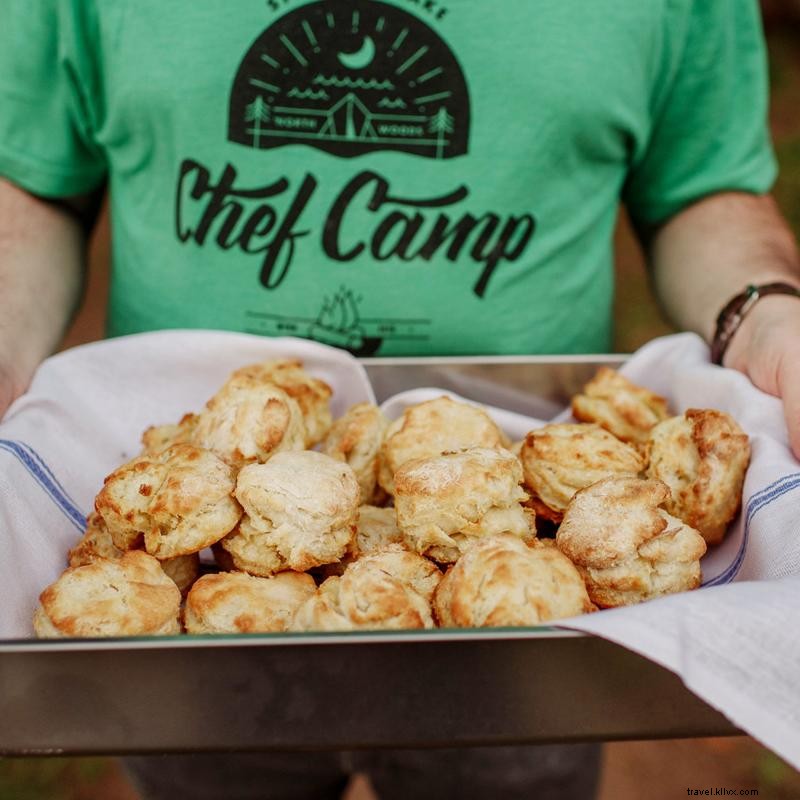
42 257
767 349
708 253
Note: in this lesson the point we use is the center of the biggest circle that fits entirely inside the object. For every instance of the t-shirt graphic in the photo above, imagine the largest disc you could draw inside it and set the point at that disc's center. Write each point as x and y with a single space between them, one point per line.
395 177
351 79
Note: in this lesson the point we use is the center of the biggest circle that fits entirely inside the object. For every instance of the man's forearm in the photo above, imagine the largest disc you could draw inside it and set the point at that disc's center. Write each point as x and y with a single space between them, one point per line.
712 250
42 257
709 253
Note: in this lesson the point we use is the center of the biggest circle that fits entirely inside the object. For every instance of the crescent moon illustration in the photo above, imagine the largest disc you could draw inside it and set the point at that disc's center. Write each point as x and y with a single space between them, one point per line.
361 58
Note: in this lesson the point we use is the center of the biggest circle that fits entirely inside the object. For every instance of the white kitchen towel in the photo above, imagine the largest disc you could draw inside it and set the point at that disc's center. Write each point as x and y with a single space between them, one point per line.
83 416
735 642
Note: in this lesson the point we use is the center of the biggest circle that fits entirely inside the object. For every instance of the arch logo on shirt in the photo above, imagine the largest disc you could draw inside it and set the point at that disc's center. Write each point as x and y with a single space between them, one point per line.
351 79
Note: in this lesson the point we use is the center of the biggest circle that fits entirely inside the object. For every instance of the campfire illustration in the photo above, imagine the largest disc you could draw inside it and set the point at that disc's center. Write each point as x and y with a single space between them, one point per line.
338 324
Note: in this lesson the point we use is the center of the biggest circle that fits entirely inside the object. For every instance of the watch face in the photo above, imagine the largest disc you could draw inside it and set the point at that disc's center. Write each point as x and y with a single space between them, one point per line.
351 78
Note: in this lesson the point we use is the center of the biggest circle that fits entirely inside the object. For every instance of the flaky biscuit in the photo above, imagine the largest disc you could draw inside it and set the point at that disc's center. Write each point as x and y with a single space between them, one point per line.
501 581
356 439
431 428
128 596
182 569
559 459
388 590
445 502
97 543
177 501
248 549
620 406
375 529
301 506
703 457
234 602
625 546
421 574
247 422
311 394
159 437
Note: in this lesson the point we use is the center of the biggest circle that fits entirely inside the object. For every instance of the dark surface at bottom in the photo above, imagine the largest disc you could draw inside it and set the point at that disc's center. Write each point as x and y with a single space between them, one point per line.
340 696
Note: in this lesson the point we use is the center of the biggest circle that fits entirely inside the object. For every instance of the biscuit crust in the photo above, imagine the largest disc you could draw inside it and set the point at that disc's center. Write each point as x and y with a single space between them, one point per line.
312 395
387 590
431 428
128 596
620 406
176 502
446 502
234 602
501 581
703 457
300 505
356 439
627 548
375 529
559 459
159 437
96 543
247 422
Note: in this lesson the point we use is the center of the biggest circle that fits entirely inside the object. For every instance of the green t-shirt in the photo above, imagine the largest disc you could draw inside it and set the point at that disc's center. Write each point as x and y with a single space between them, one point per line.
391 176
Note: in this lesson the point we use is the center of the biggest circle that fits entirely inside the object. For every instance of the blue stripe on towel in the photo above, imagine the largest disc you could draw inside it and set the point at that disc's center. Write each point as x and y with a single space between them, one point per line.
41 473
44 476
759 500
43 464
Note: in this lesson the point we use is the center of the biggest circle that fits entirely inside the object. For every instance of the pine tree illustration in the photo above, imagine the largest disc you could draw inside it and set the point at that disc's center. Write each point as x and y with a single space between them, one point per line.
257 112
441 123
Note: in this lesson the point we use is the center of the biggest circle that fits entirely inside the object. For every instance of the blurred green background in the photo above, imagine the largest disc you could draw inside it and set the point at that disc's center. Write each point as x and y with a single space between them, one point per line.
665 768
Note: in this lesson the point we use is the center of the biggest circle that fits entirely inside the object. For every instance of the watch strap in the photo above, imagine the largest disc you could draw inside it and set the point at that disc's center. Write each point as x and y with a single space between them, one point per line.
737 308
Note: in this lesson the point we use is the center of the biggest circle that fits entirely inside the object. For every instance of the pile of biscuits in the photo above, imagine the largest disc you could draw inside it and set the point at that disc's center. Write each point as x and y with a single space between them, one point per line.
434 519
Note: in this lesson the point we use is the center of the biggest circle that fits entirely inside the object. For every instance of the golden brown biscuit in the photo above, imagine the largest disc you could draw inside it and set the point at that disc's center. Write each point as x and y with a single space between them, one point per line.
375 529
419 573
431 428
301 513
234 602
356 439
312 395
97 543
159 437
177 501
445 502
246 422
625 546
248 549
387 590
557 460
621 407
128 596
501 581
182 569
703 457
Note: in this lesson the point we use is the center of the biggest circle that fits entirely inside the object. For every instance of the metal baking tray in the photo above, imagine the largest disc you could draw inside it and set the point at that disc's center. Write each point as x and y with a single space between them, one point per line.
336 691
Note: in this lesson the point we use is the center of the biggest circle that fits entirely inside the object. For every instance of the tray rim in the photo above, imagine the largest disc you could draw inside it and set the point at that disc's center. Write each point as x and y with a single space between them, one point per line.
349 638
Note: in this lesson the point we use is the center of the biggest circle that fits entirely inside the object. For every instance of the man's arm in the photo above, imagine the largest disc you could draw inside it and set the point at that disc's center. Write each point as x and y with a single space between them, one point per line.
42 258
708 253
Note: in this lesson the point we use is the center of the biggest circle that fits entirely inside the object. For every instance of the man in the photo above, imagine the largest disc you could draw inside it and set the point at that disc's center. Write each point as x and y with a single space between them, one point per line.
395 177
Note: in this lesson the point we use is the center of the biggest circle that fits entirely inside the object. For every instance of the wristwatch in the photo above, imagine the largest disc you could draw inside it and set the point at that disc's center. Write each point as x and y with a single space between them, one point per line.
734 312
